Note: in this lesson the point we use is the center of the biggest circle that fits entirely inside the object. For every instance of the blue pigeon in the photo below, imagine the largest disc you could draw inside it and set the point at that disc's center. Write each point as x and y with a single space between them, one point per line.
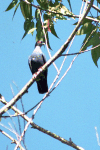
35 61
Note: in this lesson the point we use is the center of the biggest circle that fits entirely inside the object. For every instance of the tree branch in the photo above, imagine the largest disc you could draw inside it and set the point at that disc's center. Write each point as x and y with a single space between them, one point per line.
80 52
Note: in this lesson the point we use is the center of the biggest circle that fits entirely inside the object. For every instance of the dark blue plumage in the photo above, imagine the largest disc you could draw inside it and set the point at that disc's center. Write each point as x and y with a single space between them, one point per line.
36 60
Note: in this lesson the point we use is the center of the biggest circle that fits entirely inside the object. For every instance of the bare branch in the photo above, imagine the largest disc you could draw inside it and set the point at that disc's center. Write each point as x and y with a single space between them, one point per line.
23 133
81 52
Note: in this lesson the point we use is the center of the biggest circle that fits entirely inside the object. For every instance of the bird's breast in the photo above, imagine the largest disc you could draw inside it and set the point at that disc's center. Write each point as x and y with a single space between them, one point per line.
37 58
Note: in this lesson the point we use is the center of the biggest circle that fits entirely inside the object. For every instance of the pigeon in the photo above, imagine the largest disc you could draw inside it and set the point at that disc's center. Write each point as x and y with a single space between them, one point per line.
35 61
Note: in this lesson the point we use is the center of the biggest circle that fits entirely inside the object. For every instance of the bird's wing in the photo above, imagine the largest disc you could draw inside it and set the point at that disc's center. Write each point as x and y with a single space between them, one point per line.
29 62
44 59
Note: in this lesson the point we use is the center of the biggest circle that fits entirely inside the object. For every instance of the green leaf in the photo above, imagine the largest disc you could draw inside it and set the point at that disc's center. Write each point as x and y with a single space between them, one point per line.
53 30
26 10
88 37
98 1
95 52
49 26
46 17
28 24
89 34
43 39
65 11
39 35
48 41
93 41
60 17
15 9
70 5
31 28
85 28
85 20
11 5
24 35
37 14
31 31
43 3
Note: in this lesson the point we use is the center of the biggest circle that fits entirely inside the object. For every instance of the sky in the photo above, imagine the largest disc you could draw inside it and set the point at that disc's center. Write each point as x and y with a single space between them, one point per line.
73 109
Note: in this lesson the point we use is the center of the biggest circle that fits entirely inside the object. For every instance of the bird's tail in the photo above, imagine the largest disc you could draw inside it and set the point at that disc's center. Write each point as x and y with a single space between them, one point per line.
42 85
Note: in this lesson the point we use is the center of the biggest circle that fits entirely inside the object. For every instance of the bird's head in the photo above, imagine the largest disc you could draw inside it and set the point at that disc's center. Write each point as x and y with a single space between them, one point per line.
39 43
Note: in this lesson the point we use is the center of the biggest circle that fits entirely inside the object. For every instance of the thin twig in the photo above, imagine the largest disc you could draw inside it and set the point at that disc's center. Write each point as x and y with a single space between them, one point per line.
80 15
81 52
23 133
16 106
13 131
18 115
97 136
66 71
12 139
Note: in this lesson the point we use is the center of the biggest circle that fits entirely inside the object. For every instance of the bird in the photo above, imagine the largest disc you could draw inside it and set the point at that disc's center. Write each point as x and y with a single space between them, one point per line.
35 61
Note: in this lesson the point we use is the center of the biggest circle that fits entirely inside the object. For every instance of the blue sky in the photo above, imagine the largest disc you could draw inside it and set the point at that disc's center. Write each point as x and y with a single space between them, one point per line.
73 108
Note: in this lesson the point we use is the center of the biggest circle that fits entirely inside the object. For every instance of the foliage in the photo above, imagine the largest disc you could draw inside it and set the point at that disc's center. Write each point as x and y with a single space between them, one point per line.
51 12
92 38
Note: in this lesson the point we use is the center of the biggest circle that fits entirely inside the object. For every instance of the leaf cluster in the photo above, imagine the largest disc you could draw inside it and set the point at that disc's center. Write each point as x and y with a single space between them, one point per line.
51 11
92 38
